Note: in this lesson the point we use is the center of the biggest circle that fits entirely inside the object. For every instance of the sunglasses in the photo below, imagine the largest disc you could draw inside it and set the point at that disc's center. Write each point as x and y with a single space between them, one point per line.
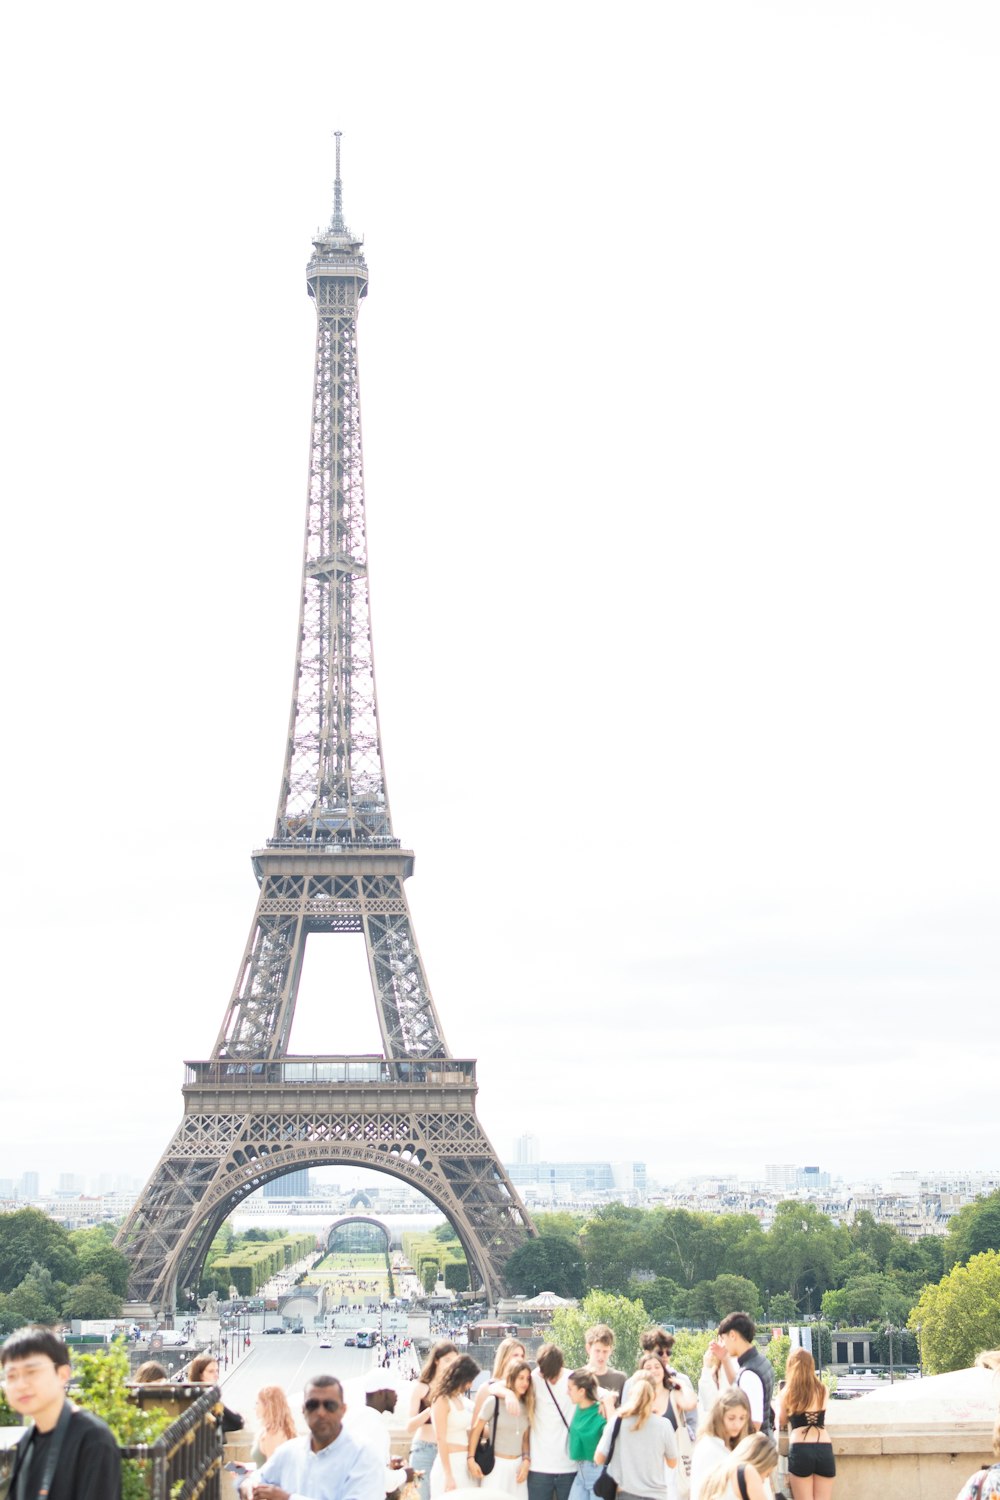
313 1405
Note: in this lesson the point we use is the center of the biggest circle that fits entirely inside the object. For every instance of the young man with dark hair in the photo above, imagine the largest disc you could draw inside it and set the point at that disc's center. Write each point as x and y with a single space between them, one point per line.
746 1367
552 1471
67 1454
329 1464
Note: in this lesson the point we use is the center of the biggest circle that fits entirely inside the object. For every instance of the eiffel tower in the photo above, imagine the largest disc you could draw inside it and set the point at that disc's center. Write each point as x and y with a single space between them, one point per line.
253 1111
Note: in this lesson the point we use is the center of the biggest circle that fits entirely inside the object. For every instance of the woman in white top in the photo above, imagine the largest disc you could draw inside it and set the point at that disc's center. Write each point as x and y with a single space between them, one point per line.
423 1451
747 1475
451 1418
725 1427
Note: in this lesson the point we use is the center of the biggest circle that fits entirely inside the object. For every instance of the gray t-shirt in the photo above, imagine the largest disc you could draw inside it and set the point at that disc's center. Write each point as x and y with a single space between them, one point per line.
510 1429
638 1463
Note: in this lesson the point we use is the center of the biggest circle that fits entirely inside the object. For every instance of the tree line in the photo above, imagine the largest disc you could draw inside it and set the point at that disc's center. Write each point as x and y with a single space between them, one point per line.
690 1268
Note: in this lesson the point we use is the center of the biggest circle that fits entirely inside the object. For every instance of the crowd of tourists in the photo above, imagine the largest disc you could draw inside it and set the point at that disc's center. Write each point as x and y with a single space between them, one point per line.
549 1433
528 1430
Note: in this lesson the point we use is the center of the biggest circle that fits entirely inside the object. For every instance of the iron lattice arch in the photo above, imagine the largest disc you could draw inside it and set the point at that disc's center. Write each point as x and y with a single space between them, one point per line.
333 866
218 1160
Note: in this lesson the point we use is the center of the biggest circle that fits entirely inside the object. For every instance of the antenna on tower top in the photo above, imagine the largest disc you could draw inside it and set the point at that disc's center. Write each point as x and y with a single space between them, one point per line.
338 192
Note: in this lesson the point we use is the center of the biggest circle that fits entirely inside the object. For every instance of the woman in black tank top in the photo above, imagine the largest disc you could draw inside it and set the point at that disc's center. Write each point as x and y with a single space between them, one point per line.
803 1404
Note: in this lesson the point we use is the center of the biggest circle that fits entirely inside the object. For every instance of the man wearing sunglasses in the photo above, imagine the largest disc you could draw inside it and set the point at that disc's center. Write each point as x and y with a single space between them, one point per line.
329 1464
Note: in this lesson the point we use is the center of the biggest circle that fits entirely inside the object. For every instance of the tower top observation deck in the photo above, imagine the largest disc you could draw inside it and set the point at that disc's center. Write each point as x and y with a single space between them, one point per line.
338 252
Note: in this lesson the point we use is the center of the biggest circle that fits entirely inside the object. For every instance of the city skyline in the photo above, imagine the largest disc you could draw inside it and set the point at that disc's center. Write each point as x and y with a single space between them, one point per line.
683 609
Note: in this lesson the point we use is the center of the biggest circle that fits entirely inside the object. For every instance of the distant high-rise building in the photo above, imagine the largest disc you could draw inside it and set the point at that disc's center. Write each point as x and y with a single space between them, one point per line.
6 1187
29 1186
526 1149
70 1182
580 1176
292 1185
786 1178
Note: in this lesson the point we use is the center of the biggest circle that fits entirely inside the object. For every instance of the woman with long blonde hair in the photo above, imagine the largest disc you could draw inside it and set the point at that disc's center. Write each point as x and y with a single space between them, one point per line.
721 1431
277 1424
802 1404
747 1474
639 1447
508 1350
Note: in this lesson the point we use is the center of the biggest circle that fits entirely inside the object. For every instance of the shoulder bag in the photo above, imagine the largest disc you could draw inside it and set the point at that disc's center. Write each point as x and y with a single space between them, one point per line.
682 1473
604 1486
486 1449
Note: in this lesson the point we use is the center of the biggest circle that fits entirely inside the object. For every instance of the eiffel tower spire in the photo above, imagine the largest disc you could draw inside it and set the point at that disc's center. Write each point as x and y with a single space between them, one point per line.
332 865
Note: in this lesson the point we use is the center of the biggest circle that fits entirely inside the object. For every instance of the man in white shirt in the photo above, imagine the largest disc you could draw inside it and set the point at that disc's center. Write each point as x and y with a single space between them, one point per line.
552 1470
329 1464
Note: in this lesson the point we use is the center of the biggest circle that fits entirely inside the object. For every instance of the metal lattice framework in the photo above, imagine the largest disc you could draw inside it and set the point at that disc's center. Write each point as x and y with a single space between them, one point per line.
253 1112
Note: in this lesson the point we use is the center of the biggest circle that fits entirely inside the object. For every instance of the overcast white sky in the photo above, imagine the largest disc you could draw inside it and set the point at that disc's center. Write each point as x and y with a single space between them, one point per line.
680 388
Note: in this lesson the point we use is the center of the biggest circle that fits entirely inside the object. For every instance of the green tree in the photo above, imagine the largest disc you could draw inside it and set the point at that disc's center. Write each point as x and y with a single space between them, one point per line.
777 1351
36 1299
803 1250
92 1298
959 1317
675 1245
871 1298
29 1237
615 1243
547 1264
735 1294
562 1225
874 1239
102 1388
96 1255
975 1228
624 1316
782 1308
667 1302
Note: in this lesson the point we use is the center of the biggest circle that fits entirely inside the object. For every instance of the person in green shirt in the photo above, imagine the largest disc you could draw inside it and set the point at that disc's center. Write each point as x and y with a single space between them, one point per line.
585 1431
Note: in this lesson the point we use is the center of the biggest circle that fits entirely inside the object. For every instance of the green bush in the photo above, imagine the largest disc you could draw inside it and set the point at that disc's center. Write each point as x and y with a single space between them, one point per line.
102 1388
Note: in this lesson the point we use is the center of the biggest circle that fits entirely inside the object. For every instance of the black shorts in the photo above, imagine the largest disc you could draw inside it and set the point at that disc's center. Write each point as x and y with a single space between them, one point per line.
806 1459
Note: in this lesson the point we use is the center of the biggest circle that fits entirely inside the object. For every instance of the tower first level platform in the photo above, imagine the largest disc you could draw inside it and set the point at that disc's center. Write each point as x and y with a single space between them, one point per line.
246 1122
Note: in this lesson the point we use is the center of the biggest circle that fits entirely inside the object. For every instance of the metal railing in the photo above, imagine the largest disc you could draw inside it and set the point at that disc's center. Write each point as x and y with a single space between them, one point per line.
239 1072
185 1462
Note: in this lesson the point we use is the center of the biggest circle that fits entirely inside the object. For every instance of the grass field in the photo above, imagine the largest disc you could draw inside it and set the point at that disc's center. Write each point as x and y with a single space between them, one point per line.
356 1273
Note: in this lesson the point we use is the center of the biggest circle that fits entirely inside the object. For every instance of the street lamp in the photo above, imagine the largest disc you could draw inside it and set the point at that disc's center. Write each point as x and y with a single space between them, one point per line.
890 1331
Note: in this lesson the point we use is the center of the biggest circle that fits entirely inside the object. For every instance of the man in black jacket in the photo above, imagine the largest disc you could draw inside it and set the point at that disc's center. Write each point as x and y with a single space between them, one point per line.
746 1367
67 1454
